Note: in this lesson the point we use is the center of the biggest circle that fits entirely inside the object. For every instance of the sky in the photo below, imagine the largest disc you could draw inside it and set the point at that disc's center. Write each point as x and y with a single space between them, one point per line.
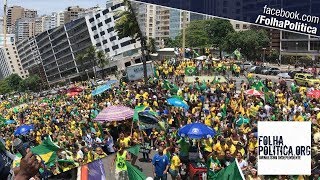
49 6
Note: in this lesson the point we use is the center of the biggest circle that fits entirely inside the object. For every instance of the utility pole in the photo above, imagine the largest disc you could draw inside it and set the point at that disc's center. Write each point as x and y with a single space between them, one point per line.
183 33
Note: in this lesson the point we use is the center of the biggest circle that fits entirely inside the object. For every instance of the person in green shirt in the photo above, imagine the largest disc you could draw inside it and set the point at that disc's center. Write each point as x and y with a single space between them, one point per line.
213 165
120 162
184 149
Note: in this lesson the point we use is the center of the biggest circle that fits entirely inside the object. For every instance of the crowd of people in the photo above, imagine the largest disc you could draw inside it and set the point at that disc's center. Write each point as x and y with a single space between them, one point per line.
69 120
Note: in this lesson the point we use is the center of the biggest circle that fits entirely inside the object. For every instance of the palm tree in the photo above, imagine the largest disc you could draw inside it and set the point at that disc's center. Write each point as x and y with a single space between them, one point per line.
152 45
127 26
91 54
81 59
102 60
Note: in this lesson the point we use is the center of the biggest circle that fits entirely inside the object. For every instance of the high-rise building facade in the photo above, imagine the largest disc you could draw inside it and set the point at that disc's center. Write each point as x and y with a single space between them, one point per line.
159 22
72 13
24 28
9 60
57 49
13 13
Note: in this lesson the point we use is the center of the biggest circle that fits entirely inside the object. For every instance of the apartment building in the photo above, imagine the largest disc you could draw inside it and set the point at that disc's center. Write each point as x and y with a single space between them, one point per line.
9 60
24 28
159 22
58 48
72 13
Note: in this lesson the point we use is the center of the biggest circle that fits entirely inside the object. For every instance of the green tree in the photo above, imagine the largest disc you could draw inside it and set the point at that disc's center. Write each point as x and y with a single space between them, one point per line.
91 56
196 35
4 87
127 26
273 56
250 42
218 30
102 61
81 59
14 81
172 43
152 45
32 82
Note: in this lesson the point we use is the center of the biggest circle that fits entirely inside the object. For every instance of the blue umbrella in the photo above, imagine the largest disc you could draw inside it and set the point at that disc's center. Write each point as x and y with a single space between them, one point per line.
101 89
178 103
24 129
111 82
10 122
196 131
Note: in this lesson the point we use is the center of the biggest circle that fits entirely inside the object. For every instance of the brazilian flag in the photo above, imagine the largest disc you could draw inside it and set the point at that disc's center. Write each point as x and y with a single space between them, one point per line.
47 150
190 71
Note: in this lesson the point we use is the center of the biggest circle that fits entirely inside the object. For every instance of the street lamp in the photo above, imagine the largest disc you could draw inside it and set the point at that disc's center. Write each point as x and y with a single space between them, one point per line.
87 74
264 54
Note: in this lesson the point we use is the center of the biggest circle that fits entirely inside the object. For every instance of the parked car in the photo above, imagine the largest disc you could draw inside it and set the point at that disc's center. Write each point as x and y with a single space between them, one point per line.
293 73
246 65
259 69
252 69
305 79
272 71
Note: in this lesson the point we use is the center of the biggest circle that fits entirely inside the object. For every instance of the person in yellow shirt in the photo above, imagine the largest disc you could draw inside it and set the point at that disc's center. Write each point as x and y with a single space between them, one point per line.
208 119
232 147
220 147
175 164
208 146
298 117
253 143
124 140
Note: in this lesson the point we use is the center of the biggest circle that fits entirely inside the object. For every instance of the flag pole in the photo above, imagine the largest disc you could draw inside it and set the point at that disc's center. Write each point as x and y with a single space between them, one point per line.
241 173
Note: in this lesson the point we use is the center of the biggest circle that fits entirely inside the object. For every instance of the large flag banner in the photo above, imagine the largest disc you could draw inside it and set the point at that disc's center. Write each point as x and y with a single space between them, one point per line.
231 172
47 150
237 54
92 171
134 173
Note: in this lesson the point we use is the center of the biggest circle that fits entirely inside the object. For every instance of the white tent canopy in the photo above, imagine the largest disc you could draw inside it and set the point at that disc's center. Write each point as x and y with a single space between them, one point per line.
205 57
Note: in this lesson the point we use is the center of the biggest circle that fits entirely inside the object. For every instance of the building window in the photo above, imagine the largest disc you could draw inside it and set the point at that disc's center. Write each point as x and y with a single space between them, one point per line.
102 33
98 44
105 41
97 16
91 20
20 69
100 24
8 53
115 47
96 36
105 11
110 29
237 26
107 20
11 66
13 70
9 57
125 43
113 38
10 62
22 76
245 26
16 56
19 64
107 50
94 28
